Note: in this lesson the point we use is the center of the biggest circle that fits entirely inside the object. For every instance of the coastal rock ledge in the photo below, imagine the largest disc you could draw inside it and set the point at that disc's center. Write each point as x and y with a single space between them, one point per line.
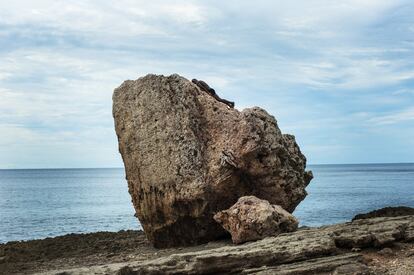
188 156
356 247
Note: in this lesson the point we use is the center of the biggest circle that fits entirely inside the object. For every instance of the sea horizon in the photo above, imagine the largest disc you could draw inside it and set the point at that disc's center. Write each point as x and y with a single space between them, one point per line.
47 202
307 165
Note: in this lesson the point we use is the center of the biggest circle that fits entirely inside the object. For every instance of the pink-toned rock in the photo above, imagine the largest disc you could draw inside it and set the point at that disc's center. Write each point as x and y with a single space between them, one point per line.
251 219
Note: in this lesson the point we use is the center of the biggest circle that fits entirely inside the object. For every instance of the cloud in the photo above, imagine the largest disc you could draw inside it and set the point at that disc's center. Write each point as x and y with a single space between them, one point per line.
395 117
324 69
403 92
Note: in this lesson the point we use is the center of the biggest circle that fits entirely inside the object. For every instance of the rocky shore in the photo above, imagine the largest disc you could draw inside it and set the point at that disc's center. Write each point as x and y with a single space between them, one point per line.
200 171
382 245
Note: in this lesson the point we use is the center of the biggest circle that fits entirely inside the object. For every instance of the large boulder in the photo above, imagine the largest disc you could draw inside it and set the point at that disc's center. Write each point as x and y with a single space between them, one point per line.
251 219
188 156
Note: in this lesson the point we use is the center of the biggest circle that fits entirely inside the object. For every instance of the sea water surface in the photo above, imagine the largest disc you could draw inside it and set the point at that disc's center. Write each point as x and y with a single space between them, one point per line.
39 203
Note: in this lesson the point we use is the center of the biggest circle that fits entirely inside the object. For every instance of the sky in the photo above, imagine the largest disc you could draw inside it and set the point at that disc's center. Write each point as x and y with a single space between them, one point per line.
339 75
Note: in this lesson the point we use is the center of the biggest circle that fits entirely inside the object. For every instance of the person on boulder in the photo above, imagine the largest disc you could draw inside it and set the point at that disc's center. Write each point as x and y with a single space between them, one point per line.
206 88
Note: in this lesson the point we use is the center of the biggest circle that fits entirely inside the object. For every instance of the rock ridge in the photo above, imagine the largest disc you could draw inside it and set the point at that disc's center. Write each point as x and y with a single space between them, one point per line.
324 250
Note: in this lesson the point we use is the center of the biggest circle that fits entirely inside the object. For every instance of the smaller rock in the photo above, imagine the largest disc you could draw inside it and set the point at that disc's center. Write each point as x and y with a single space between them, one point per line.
126 270
251 218
386 252
354 269
3 260
399 246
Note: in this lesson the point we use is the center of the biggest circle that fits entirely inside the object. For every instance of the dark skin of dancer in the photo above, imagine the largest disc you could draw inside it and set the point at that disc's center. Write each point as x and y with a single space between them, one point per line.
204 87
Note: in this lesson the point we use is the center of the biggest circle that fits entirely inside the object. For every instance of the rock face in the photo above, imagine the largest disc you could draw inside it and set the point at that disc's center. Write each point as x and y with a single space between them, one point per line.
251 219
188 156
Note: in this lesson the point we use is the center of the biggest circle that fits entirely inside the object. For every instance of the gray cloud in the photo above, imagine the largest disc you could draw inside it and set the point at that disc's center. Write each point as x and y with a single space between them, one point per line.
301 60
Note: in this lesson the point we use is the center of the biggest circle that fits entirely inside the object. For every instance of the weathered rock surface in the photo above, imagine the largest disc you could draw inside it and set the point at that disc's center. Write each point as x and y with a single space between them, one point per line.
386 212
310 251
188 156
251 219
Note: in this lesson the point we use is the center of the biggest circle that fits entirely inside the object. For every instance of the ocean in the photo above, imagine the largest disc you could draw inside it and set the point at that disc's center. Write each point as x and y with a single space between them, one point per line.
40 203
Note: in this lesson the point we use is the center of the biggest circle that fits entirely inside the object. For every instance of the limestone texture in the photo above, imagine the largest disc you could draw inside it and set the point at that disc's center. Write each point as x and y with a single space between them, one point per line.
251 219
188 156
301 252
323 250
